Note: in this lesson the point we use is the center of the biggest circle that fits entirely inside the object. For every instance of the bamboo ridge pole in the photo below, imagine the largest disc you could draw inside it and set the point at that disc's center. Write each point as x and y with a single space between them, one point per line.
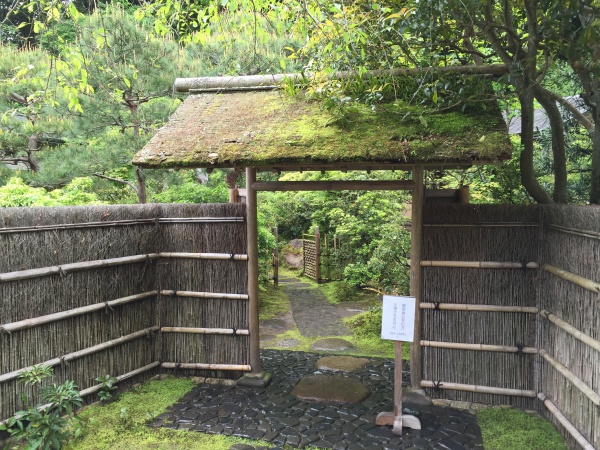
30 323
571 330
81 353
577 382
202 366
220 256
117 223
581 440
478 389
205 330
72 267
580 281
480 308
480 264
479 347
204 295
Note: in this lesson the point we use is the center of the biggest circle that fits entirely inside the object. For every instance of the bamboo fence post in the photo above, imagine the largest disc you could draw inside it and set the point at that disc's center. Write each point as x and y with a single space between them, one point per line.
577 382
581 440
252 236
276 257
416 232
234 196
463 195
571 330
478 389
317 255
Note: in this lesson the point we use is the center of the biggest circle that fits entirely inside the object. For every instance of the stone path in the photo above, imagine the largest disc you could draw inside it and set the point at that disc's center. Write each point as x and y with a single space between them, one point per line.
305 301
275 415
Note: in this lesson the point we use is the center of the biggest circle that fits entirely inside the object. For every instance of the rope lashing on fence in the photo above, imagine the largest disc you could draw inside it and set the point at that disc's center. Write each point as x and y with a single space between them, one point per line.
29 323
519 347
437 386
81 353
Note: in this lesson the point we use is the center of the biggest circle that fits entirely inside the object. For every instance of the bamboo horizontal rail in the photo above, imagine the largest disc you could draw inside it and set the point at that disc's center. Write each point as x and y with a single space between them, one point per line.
194 294
584 233
484 225
220 256
480 264
81 353
125 376
581 440
571 330
34 322
578 280
480 308
479 347
237 332
203 366
478 389
342 185
72 267
120 223
574 379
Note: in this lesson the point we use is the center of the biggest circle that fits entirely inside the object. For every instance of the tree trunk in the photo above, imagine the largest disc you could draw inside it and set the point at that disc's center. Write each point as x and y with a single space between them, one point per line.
141 185
528 179
558 144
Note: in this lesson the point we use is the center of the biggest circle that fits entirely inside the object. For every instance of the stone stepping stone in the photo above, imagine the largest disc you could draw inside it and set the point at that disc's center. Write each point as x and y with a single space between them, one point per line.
288 343
276 324
342 363
267 337
331 388
332 345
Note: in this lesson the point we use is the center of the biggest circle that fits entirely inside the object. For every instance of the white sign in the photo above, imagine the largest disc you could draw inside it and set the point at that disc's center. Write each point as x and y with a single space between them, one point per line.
398 318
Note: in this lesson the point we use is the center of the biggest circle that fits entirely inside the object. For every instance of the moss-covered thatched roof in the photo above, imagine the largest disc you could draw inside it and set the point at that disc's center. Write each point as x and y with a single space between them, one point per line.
270 130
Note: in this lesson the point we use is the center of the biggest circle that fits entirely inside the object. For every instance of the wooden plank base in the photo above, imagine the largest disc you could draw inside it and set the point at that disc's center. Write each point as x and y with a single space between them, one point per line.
397 422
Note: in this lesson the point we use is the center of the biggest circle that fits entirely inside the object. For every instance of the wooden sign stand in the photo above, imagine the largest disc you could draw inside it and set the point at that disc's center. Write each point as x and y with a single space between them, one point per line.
396 419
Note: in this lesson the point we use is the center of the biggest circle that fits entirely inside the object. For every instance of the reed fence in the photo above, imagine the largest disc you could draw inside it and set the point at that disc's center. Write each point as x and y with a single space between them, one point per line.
510 308
93 290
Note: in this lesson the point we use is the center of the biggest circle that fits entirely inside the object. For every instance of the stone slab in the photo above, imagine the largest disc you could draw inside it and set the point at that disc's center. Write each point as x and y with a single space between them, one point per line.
332 345
331 388
342 363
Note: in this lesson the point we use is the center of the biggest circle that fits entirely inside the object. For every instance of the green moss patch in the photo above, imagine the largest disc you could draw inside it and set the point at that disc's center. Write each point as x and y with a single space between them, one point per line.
513 429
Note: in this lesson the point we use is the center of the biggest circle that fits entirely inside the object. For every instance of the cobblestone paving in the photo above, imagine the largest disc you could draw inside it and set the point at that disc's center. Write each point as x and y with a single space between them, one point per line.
276 416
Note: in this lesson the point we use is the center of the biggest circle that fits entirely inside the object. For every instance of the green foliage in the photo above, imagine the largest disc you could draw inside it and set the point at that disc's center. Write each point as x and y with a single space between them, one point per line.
108 385
50 423
17 193
513 429
189 190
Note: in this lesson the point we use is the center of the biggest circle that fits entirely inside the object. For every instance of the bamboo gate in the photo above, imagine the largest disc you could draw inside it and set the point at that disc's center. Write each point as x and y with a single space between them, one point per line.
124 290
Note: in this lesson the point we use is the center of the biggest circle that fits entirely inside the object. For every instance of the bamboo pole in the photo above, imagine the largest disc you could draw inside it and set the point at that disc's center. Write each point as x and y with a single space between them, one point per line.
416 284
479 347
205 330
72 267
577 382
81 353
581 440
217 256
571 330
119 223
584 233
578 280
29 323
252 252
478 389
203 295
333 185
276 257
483 225
202 366
481 308
133 373
317 255
480 264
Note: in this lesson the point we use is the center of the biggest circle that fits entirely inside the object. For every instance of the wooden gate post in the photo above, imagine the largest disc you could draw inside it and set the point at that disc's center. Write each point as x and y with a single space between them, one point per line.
252 235
416 233
317 255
